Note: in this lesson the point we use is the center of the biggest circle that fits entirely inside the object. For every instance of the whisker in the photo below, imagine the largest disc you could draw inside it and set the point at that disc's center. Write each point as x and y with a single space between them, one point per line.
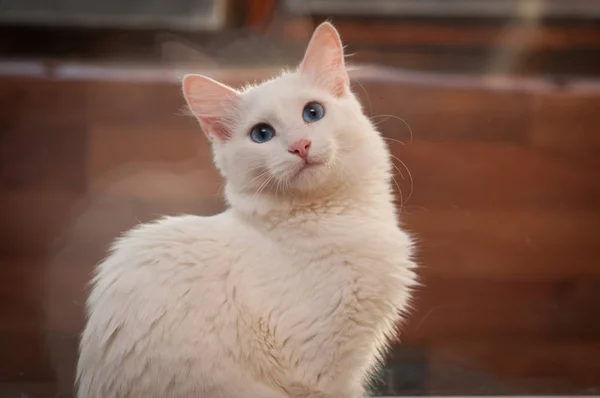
397 118
399 193
366 95
221 190
253 179
393 140
261 188
409 175
397 169
277 187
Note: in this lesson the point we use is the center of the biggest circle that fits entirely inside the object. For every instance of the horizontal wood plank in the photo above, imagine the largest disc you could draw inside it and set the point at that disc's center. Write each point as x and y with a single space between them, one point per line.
43 158
470 175
366 32
563 123
461 308
117 153
453 114
504 205
527 361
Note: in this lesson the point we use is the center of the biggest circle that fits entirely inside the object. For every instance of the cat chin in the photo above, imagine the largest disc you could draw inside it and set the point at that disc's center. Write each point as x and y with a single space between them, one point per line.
308 177
307 170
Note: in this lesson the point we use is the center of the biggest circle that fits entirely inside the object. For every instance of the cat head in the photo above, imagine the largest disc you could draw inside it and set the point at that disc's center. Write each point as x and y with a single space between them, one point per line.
301 133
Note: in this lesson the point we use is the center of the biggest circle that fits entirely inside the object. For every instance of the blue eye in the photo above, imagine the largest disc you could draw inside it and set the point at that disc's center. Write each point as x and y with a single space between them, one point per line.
313 112
262 133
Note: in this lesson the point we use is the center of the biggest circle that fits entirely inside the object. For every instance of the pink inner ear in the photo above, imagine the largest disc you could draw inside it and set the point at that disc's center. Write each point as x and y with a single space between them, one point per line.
324 60
324 51
209 102
214 128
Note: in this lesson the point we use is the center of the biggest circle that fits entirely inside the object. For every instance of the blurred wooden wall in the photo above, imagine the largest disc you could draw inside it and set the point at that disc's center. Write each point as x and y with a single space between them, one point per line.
262 33
500 183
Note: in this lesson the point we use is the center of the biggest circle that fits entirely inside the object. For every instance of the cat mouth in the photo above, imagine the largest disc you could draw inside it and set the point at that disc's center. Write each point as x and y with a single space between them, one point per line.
308 166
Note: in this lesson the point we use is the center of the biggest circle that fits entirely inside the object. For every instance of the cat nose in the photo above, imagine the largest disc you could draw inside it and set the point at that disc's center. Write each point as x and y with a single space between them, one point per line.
300 148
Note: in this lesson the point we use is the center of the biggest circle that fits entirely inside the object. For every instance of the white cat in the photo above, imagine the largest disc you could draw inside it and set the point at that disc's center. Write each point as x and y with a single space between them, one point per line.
292 292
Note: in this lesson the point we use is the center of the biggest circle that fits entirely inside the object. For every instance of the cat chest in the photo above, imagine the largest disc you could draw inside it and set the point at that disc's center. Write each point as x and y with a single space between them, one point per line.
310 307
319 295
336 314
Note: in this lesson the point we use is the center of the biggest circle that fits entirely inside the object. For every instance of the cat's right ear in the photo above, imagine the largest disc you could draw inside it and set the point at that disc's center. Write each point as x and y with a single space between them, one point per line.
324 60
208 100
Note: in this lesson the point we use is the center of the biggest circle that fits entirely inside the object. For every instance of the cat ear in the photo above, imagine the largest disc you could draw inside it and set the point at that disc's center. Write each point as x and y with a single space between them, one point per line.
324 60
208 100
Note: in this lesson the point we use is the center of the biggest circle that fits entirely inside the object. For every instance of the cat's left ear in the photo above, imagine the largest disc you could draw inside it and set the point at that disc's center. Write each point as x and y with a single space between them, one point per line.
324 60
209 101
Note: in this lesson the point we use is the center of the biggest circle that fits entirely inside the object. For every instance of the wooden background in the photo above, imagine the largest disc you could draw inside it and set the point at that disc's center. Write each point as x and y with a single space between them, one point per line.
505 201
500 182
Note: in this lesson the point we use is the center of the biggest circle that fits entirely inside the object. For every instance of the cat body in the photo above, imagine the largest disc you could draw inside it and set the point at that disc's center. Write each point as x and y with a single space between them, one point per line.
292 292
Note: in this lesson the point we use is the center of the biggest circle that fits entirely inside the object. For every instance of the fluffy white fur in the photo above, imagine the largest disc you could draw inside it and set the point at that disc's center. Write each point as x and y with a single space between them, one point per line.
292 292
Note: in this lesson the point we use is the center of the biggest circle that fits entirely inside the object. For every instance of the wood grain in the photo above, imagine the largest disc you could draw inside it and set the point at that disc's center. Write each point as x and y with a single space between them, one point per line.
504 201
479 175
458 308
118 150
32 221
567 123
43 158
514 359
410 33
453 114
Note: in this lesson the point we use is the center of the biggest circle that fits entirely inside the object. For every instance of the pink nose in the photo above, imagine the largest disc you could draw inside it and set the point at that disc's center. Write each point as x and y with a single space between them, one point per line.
300 148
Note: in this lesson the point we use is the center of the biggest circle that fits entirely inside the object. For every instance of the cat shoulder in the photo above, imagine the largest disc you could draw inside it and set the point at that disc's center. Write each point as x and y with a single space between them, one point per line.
187 238
177 229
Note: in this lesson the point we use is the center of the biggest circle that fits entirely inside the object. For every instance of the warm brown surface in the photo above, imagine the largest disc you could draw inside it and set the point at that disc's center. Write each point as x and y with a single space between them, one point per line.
515 45
263 33
365 32
505 203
